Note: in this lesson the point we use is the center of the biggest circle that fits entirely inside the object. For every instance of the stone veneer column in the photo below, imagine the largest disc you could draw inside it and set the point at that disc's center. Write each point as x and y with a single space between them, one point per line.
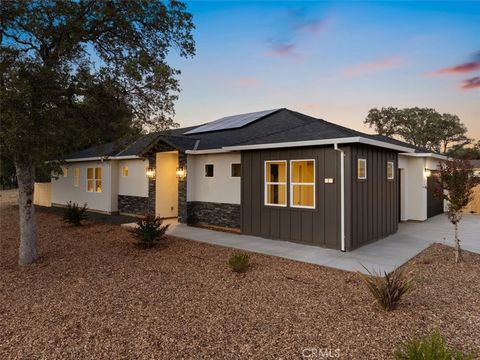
152 162
182 190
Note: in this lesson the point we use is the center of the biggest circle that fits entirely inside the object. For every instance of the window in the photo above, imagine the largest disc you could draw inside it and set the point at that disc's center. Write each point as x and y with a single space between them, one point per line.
390 170
276 183
64 171
124 171
302 183
209 170
76 177
94 179
236 170
361 169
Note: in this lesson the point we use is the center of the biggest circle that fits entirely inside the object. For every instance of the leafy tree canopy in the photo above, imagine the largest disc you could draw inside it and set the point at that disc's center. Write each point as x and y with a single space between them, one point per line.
421 127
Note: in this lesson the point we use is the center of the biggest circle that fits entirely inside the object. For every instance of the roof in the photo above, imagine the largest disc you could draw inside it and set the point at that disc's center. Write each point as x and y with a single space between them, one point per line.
271 127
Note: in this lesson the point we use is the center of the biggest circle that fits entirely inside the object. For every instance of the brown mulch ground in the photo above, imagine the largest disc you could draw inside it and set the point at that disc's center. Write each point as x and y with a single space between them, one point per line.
95 295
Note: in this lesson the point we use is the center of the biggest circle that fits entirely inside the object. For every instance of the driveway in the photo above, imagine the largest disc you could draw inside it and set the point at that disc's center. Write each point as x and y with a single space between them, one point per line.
383 255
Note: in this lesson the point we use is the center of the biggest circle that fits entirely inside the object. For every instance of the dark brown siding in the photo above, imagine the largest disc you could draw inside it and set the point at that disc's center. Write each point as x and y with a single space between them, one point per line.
320 226
374 201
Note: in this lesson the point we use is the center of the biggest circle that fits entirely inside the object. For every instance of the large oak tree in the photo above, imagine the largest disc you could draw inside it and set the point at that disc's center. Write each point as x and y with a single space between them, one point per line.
76 72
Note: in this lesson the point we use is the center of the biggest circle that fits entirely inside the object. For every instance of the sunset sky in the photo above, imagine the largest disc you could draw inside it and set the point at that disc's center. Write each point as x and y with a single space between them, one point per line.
333 60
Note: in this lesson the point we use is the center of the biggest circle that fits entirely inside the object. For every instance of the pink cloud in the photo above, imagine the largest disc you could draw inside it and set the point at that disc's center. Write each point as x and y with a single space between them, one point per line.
282 50
248 82
375 66
313 27
459 69
472 83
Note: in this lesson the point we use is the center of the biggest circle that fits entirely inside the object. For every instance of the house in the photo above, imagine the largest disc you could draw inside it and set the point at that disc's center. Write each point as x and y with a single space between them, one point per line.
277 174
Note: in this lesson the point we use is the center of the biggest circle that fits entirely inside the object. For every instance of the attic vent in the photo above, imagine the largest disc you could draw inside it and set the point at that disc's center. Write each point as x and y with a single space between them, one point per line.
231 122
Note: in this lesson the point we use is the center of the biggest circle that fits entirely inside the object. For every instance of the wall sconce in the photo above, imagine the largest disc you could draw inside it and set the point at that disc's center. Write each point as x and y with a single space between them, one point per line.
181 173
150 172
428 173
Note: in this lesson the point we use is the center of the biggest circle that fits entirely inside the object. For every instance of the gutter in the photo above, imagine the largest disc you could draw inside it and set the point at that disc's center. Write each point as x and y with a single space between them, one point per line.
342 197
432 155
104 158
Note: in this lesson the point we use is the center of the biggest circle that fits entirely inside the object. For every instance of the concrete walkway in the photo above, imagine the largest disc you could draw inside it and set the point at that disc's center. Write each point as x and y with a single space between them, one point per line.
383 255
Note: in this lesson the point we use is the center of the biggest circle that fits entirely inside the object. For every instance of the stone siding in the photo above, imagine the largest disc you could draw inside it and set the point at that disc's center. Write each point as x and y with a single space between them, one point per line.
218 214
136 205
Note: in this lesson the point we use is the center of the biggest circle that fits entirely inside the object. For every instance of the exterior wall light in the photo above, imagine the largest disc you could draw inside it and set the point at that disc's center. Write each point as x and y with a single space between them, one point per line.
150 172
428 173
181 173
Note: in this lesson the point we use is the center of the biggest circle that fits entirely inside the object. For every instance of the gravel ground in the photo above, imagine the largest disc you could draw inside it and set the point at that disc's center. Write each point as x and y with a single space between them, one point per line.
95 295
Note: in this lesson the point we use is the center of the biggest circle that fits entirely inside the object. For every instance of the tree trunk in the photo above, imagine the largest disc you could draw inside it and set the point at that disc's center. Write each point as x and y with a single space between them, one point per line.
458 250
27 252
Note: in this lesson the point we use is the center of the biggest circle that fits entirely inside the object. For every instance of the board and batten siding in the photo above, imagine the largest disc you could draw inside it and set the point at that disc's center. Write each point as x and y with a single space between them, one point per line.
374 202
319 226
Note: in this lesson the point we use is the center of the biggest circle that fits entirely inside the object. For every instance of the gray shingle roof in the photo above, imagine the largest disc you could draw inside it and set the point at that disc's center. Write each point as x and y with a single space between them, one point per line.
280 126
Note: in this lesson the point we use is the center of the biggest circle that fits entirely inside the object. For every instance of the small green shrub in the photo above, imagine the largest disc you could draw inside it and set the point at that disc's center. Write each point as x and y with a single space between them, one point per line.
149 230
430 347
239 262
74 214
389 288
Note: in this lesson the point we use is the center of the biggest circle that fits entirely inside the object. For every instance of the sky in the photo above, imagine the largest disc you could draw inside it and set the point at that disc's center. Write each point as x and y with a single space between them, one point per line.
331 60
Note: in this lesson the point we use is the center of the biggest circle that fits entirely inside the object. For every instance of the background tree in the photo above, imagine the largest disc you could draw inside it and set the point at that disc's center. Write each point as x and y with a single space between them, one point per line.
455 184
465 152
422 127
73 71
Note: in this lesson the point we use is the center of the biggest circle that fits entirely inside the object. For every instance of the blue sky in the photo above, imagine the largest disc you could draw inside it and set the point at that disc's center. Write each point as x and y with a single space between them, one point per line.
333 60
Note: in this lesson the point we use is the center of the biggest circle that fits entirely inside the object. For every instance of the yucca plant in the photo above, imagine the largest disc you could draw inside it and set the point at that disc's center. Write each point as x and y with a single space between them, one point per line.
239 262
430 347
389 288
74 214
149 230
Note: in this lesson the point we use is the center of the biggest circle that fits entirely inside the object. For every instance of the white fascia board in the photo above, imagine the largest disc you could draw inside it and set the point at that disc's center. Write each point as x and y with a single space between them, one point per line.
346 140
208 151
432 155
103 158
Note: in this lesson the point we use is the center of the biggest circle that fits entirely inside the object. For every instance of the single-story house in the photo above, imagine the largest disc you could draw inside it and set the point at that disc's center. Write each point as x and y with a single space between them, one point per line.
277 174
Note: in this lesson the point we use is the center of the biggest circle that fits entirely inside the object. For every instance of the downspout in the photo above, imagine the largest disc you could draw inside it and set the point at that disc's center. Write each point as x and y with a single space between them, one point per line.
342 197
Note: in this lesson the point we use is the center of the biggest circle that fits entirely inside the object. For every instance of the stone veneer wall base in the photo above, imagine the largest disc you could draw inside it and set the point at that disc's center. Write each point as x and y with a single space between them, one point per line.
218 214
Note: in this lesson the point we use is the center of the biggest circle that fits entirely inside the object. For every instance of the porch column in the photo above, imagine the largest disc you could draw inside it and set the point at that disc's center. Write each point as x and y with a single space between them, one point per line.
152 161
182 190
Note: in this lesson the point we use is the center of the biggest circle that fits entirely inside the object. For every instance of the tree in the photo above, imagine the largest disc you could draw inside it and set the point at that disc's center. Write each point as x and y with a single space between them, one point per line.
463 152
420 127
73 71
455 183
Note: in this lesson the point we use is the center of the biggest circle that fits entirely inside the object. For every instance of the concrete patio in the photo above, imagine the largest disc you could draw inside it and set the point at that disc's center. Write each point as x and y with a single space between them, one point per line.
383 255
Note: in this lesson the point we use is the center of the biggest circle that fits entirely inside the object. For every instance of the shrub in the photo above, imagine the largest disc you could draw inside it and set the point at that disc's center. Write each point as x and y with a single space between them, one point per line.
149 230
390 288
430 347
239 262
75 214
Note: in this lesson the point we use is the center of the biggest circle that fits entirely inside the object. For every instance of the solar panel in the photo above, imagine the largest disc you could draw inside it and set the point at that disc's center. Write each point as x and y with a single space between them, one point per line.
230 122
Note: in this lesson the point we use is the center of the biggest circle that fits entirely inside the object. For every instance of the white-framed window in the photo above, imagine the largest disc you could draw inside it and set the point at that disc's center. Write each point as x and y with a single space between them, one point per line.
362 169
390 170
76 177
94 179
209 170
125 171
64 171
236 170
302 183
276 183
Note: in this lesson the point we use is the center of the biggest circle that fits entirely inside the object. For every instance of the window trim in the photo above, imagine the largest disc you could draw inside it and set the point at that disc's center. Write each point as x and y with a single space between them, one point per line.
205 171
292 205
231 168
266 183
358 167
76 177
393 170
94 179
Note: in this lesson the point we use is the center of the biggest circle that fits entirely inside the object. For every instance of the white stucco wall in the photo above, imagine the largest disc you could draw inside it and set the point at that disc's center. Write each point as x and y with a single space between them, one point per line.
414 186
136 183
222 188
63 189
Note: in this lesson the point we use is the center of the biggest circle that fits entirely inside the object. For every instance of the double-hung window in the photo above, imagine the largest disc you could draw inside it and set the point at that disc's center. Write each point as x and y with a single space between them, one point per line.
94 179
76 177
362 169
276 183
302 183
390 170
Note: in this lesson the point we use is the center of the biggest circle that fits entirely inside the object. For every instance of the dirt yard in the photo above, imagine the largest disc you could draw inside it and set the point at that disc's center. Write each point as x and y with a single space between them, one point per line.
94 294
